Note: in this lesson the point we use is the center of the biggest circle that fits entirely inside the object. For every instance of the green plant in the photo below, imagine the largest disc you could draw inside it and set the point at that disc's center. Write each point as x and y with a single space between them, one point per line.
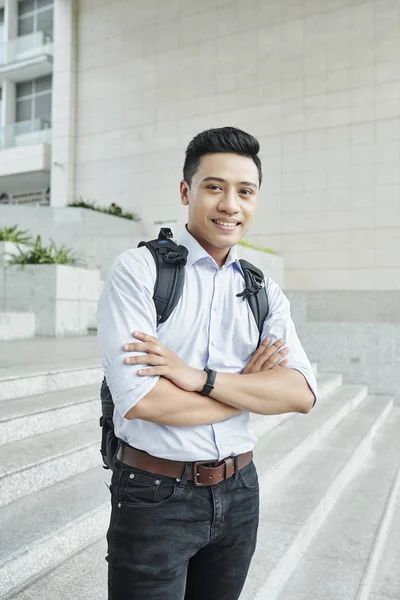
38 254
116 212
13 234
249 245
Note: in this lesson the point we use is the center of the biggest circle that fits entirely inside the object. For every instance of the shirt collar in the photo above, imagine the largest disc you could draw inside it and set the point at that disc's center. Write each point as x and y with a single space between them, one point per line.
197 252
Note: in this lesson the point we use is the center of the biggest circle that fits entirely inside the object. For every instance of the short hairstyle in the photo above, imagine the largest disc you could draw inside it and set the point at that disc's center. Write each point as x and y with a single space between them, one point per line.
224 139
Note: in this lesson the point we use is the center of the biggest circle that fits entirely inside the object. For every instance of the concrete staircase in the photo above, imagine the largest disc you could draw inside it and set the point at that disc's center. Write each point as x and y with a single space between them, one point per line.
329 483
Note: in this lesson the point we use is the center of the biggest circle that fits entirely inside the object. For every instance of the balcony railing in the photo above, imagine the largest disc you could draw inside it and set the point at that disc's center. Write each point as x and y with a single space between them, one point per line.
26 47
26 133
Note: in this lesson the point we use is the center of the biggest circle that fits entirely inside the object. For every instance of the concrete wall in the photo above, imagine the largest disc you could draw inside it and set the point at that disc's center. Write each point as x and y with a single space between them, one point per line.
317 81
96 238
62 298
354 333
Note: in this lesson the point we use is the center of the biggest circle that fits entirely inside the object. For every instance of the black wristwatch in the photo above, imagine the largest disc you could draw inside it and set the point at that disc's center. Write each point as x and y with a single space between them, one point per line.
209 386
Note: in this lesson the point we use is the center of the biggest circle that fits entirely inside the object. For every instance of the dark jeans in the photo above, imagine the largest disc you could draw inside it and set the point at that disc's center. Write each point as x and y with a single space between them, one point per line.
170 540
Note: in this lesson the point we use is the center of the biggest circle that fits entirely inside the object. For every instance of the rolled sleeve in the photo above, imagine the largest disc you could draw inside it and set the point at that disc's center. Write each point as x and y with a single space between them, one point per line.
126 305
279 325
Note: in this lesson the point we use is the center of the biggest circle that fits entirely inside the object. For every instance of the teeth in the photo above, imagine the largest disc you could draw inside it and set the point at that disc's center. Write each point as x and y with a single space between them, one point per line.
224 224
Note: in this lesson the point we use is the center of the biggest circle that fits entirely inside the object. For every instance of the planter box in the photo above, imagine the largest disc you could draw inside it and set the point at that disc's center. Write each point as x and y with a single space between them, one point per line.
63 298
17 326
7 249
271 265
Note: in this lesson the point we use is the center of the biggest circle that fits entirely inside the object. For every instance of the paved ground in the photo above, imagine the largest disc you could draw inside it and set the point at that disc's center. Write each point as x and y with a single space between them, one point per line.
33 355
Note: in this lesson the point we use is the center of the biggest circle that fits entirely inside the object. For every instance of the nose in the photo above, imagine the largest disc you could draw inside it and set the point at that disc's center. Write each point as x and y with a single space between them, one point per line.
229 202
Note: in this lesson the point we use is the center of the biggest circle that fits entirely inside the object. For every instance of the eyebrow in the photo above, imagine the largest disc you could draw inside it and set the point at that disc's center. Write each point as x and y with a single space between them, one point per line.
249 183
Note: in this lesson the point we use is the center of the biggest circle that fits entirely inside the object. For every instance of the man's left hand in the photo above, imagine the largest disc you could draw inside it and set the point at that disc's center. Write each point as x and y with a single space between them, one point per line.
164 362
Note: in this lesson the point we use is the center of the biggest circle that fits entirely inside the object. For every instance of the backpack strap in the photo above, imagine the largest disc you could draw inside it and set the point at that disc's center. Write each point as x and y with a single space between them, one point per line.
255 293
170 262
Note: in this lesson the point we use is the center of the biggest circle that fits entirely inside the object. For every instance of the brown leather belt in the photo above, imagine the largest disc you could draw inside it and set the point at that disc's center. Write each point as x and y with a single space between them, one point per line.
202 473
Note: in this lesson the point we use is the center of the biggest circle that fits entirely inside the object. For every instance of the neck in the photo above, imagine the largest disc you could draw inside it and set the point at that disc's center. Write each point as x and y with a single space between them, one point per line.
218 254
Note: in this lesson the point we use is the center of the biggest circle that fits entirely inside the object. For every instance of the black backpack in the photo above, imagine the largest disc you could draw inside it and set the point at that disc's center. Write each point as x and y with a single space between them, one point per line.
170 262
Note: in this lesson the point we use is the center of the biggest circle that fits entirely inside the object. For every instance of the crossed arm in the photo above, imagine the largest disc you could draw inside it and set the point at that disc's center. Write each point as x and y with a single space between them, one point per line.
174 400
262 387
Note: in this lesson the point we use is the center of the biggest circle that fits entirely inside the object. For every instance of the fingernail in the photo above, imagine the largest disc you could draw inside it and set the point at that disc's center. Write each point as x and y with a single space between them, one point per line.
136 333
125 347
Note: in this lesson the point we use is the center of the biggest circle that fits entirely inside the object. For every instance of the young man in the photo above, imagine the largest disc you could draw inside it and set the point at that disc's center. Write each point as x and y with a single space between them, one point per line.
181 530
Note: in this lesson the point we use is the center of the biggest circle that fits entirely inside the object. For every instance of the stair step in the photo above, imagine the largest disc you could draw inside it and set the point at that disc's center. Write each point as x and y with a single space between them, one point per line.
84 575
32 384
32 464
287 445
382 577
17 325
327 383
41 530
25 417
291 514
338 556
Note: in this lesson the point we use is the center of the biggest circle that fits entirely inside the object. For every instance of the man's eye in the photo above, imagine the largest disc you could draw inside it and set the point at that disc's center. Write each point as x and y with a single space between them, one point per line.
213 187
246 192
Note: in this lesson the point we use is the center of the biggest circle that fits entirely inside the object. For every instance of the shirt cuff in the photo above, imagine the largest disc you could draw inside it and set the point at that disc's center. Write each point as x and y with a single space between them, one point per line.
310 378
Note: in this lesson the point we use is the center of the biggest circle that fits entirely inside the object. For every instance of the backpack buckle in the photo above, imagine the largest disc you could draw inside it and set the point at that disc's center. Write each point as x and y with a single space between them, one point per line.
165 234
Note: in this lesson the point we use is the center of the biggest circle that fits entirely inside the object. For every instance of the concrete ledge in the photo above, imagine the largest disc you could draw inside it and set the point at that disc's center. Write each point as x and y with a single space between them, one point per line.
17 326
98 238
63 298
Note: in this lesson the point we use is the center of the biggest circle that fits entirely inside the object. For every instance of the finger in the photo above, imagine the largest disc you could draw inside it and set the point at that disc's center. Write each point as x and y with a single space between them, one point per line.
272 350
271 360
271 355
148 347
283 363
145 359
144 337
265 343
152 371
269 350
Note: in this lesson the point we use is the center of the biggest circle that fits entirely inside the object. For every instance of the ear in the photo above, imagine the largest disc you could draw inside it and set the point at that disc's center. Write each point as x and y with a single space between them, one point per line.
184 189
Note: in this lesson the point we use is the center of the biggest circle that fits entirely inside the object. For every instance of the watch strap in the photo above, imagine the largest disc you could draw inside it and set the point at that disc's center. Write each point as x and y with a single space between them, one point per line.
209 386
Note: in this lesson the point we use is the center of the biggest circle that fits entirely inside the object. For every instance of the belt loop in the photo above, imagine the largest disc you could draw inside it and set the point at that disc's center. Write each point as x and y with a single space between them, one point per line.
184 477
236 463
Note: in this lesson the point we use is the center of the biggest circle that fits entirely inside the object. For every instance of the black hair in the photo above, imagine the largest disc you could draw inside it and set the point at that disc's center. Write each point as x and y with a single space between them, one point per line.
224 139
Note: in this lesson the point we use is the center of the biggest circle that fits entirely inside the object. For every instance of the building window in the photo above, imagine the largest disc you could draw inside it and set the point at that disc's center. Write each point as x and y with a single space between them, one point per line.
34 99
35 15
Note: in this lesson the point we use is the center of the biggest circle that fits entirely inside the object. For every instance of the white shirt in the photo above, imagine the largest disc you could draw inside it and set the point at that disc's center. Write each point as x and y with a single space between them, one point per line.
209 326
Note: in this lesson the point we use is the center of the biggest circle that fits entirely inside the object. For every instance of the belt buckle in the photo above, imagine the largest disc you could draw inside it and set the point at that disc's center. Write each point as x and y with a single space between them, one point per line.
196 473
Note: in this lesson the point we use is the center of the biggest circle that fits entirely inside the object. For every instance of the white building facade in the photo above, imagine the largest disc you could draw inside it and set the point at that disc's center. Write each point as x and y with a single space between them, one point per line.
26 66
317 81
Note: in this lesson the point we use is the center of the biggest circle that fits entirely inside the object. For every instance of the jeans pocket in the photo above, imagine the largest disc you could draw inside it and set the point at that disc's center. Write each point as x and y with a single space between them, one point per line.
140 488
248 476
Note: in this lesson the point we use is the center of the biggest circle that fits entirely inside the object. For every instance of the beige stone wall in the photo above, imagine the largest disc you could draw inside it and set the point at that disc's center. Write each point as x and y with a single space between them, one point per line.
318 81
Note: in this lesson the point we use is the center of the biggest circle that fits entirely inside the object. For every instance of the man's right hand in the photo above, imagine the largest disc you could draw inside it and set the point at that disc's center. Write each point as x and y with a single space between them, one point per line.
266 357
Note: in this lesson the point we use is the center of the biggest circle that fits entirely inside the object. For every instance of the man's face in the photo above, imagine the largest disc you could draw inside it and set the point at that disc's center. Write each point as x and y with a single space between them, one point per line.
222 199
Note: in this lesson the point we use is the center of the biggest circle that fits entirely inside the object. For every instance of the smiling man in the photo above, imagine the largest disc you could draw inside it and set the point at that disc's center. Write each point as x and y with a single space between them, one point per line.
185 498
